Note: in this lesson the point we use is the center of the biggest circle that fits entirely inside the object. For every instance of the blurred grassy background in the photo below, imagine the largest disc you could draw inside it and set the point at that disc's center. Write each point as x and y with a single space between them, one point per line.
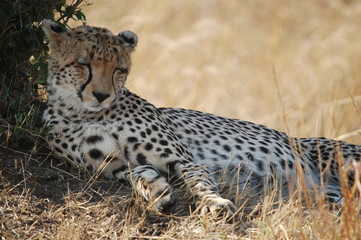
291 65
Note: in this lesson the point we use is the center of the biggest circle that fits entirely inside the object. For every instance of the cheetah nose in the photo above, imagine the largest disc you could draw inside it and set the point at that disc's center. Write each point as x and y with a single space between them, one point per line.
100 96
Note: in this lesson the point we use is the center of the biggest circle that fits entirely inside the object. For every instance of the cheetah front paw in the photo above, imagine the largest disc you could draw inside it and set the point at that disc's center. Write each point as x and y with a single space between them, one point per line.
163 201
216 206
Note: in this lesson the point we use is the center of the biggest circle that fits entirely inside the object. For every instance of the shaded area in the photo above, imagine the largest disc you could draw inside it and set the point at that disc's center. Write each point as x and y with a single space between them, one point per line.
40 195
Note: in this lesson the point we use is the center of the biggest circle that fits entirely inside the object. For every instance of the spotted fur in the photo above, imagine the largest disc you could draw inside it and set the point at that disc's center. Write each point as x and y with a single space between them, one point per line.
100 126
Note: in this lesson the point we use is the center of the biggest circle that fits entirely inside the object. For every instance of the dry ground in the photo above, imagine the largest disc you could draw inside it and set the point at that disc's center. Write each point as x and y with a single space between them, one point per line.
291 65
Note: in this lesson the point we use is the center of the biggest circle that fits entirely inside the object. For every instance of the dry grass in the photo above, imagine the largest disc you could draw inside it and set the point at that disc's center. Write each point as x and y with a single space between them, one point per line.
291 65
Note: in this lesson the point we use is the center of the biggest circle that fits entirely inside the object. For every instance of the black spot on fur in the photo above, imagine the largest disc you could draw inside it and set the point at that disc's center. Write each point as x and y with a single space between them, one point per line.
58 150
164 155
227 148
148 146
155 128
119 169
138 121
283 164
250 156
290 164
171 166
163 142
264 150
94 139
136 146
167 150
132 139
126 153
260 166
142 134
95 153
73 147
141 159
115 136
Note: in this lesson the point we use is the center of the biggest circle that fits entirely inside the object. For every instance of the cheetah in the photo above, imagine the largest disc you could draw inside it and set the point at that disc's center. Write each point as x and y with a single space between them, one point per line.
100 126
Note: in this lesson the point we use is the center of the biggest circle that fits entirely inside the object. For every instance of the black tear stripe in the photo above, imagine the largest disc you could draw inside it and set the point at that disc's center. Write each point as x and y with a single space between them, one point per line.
115 90
90 77
123 70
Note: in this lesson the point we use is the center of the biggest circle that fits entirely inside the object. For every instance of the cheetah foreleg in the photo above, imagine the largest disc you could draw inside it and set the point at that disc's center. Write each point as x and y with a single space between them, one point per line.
200 183
104 155
147 181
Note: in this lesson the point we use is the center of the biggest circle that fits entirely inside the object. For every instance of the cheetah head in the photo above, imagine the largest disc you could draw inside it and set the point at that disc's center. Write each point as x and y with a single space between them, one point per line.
88 66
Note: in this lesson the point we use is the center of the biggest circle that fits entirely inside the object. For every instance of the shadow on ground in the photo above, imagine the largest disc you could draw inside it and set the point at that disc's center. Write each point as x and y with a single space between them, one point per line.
39 194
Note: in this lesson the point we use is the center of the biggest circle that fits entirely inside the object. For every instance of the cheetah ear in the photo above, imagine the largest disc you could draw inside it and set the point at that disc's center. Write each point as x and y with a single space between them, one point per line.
54 33
128 39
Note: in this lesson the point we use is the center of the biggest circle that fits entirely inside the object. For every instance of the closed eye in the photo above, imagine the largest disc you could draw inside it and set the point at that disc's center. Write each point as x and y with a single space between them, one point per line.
123 70
84 64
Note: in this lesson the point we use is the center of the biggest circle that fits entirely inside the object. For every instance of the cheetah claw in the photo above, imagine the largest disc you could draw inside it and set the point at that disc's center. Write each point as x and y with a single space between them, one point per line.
217 207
